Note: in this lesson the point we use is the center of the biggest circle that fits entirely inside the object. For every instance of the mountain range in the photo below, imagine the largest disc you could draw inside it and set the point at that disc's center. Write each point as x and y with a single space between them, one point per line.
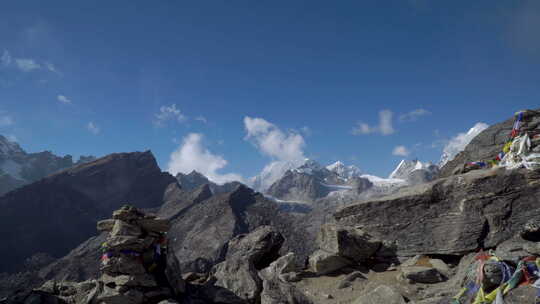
18 168
417 231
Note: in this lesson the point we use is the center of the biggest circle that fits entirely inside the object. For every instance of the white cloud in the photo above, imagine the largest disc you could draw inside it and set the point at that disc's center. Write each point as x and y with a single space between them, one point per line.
63 99
27 65
201 119
414 115
6 120
273 142
193 155
285 148
51 67
401 151
5 60
93 128
460 141
385 126
167 113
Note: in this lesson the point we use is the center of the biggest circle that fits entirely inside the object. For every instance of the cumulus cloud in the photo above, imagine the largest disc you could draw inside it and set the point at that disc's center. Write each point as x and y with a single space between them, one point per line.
460 141
414 115
272 141
193 155
285 148
401 151
167 113
385 126
93 128
63 99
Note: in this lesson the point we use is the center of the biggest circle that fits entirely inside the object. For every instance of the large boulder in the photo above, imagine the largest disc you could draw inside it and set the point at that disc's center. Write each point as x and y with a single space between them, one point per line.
277 288
453 215
247 254
341 246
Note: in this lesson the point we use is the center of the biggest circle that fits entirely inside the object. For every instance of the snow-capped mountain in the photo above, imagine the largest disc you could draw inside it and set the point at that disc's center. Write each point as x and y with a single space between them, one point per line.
18 168
345 172
414 171
271 173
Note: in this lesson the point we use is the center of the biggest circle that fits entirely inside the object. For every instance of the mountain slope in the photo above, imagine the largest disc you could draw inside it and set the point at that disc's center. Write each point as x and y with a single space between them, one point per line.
39 217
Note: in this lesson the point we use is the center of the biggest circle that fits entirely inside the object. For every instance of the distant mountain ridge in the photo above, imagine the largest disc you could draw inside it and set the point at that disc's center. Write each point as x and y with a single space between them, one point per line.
18 168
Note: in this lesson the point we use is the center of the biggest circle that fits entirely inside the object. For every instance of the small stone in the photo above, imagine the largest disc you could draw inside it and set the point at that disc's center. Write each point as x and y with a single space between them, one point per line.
422 274
350 278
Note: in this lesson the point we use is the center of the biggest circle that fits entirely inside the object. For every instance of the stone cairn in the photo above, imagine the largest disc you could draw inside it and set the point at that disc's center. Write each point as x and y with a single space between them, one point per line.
135 267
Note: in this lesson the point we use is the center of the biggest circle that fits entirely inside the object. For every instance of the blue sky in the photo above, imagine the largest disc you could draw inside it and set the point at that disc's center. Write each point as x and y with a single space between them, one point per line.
98 77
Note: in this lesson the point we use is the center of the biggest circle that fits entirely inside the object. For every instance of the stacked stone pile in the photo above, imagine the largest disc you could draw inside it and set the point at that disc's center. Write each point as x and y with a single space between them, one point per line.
135 262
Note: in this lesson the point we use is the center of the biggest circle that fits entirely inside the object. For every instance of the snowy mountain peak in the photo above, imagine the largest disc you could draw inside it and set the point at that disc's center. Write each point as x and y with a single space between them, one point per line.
406 167
309 167
343 171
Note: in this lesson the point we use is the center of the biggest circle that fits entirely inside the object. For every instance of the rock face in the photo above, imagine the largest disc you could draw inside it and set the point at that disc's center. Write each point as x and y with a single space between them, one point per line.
40 217
247 254
18 168
201 229
454 215
483 147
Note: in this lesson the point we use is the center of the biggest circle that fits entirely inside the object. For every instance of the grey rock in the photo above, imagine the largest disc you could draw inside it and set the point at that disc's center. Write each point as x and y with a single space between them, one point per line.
350 278
422 274
512 249
381 294
349 242
276 286
323 262
247 255
453 215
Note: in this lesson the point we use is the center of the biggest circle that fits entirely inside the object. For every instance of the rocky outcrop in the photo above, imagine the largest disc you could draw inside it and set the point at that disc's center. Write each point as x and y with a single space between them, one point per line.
485 146
41 217
201 231
246 255
455 215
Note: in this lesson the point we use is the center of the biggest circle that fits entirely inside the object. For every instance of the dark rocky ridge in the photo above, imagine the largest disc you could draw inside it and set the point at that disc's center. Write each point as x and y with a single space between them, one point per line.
195 179
41 217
